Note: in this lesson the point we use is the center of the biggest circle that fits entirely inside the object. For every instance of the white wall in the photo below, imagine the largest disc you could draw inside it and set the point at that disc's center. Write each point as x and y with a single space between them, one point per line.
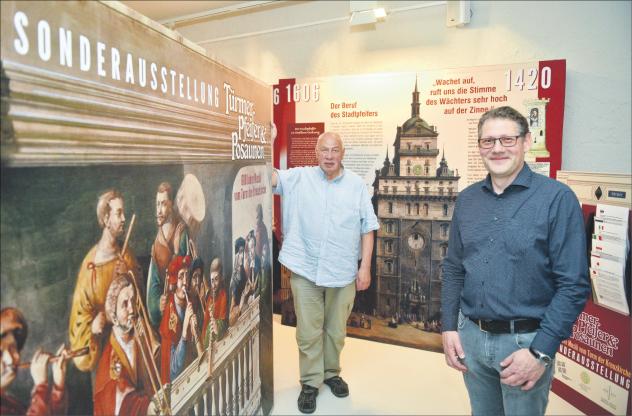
594 38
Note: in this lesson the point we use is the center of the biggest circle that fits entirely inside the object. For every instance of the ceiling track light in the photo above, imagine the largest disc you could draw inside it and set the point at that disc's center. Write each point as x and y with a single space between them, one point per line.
365 13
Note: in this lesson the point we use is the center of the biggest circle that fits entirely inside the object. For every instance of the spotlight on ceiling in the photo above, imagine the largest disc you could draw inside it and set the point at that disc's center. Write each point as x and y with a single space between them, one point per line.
365 12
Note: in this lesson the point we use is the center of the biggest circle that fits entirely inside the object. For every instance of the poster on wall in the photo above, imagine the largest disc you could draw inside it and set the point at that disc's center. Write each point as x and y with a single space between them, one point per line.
593 368
413 138
135 219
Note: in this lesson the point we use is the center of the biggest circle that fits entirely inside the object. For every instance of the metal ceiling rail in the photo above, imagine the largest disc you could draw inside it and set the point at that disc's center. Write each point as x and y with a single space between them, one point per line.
234 8
315 23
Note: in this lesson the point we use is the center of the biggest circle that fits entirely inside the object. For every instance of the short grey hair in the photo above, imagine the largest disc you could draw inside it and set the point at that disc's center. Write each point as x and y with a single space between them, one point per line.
117 285
331 133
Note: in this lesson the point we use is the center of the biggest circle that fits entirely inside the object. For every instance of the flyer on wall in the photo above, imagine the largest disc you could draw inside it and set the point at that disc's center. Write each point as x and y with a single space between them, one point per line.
593 367
412 137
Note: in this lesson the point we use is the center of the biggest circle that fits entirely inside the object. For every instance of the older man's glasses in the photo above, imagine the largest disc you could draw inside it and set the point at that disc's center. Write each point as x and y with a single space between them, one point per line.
334 151
505 141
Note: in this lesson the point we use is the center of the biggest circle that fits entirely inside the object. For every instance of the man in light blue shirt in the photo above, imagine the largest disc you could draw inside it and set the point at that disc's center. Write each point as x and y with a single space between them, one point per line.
328 224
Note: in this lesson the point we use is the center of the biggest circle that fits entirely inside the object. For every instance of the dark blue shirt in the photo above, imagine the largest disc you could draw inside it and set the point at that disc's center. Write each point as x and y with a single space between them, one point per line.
520 254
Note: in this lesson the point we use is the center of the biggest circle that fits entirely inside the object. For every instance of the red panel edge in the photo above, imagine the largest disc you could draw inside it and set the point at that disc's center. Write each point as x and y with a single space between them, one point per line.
554 111
284 114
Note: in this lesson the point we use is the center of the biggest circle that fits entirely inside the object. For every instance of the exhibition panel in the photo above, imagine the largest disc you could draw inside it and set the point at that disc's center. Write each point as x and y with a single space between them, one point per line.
135 223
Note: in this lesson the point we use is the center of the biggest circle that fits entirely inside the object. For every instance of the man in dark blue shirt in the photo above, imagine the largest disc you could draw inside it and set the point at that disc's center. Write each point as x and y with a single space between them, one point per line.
515 277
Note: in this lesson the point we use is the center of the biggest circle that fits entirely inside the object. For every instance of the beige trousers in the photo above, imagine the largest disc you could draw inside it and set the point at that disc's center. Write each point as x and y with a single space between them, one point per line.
321 327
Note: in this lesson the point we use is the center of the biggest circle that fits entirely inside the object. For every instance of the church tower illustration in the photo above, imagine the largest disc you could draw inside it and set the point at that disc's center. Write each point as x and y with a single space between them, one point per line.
414 200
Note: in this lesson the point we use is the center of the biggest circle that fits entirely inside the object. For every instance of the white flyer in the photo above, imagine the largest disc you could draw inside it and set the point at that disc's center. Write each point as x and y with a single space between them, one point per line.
609 250
613 214
609 266
609 290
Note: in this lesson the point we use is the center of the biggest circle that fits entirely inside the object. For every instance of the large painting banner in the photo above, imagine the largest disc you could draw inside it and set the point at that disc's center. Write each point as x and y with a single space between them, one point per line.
135 219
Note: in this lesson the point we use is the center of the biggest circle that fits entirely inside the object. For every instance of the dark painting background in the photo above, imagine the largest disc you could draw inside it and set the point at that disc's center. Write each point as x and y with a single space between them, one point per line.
48 223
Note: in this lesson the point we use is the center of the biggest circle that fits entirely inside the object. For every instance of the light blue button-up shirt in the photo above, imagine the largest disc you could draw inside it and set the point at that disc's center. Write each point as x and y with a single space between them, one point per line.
322 224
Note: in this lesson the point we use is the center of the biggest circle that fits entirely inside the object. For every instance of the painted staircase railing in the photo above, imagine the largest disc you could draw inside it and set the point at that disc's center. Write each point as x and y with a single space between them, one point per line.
229 383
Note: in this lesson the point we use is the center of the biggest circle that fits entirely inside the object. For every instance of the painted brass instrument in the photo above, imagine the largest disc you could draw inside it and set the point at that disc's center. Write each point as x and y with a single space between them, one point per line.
144 336
194 330
75 353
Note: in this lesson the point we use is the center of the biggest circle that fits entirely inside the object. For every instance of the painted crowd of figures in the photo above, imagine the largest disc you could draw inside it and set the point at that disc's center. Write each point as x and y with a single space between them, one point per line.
136 335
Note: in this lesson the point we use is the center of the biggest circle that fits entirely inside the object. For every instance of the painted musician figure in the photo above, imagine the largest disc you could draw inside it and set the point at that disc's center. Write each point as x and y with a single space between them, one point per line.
171 240
215 319
261 234
197 288
88 326
122 384
180 338
241 284
252 264
45 399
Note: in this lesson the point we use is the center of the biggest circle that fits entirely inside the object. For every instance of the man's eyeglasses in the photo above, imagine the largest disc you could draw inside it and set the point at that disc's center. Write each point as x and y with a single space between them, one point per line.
505 141
335 151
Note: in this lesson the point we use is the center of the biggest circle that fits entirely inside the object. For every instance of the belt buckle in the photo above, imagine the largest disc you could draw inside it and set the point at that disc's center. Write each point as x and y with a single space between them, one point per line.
480 325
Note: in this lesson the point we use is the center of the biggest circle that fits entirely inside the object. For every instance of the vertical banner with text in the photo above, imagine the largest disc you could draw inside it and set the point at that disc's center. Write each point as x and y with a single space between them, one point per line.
593 368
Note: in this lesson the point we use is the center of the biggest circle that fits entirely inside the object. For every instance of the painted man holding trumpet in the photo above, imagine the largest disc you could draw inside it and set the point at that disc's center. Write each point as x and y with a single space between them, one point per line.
106 260
45 399
172 239
179 328
123 384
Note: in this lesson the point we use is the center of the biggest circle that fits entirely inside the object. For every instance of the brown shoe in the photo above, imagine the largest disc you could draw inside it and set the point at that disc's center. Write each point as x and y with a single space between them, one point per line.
338 386
307 399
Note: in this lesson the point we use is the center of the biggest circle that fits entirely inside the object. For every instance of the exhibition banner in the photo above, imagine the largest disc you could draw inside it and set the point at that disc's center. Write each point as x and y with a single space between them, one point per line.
412 137
593 367
136 218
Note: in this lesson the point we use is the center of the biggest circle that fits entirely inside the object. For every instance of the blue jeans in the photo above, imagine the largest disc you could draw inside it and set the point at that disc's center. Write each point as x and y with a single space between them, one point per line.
483 353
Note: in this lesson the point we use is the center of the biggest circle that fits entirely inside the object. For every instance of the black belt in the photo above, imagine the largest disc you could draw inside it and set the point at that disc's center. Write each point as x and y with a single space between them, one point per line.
505 327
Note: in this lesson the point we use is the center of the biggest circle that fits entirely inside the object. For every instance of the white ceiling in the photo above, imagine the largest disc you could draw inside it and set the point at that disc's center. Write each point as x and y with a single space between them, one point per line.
182 13
162 10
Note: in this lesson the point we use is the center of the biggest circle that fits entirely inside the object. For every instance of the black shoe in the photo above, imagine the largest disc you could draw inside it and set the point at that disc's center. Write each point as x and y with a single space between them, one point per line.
338 386
307 399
